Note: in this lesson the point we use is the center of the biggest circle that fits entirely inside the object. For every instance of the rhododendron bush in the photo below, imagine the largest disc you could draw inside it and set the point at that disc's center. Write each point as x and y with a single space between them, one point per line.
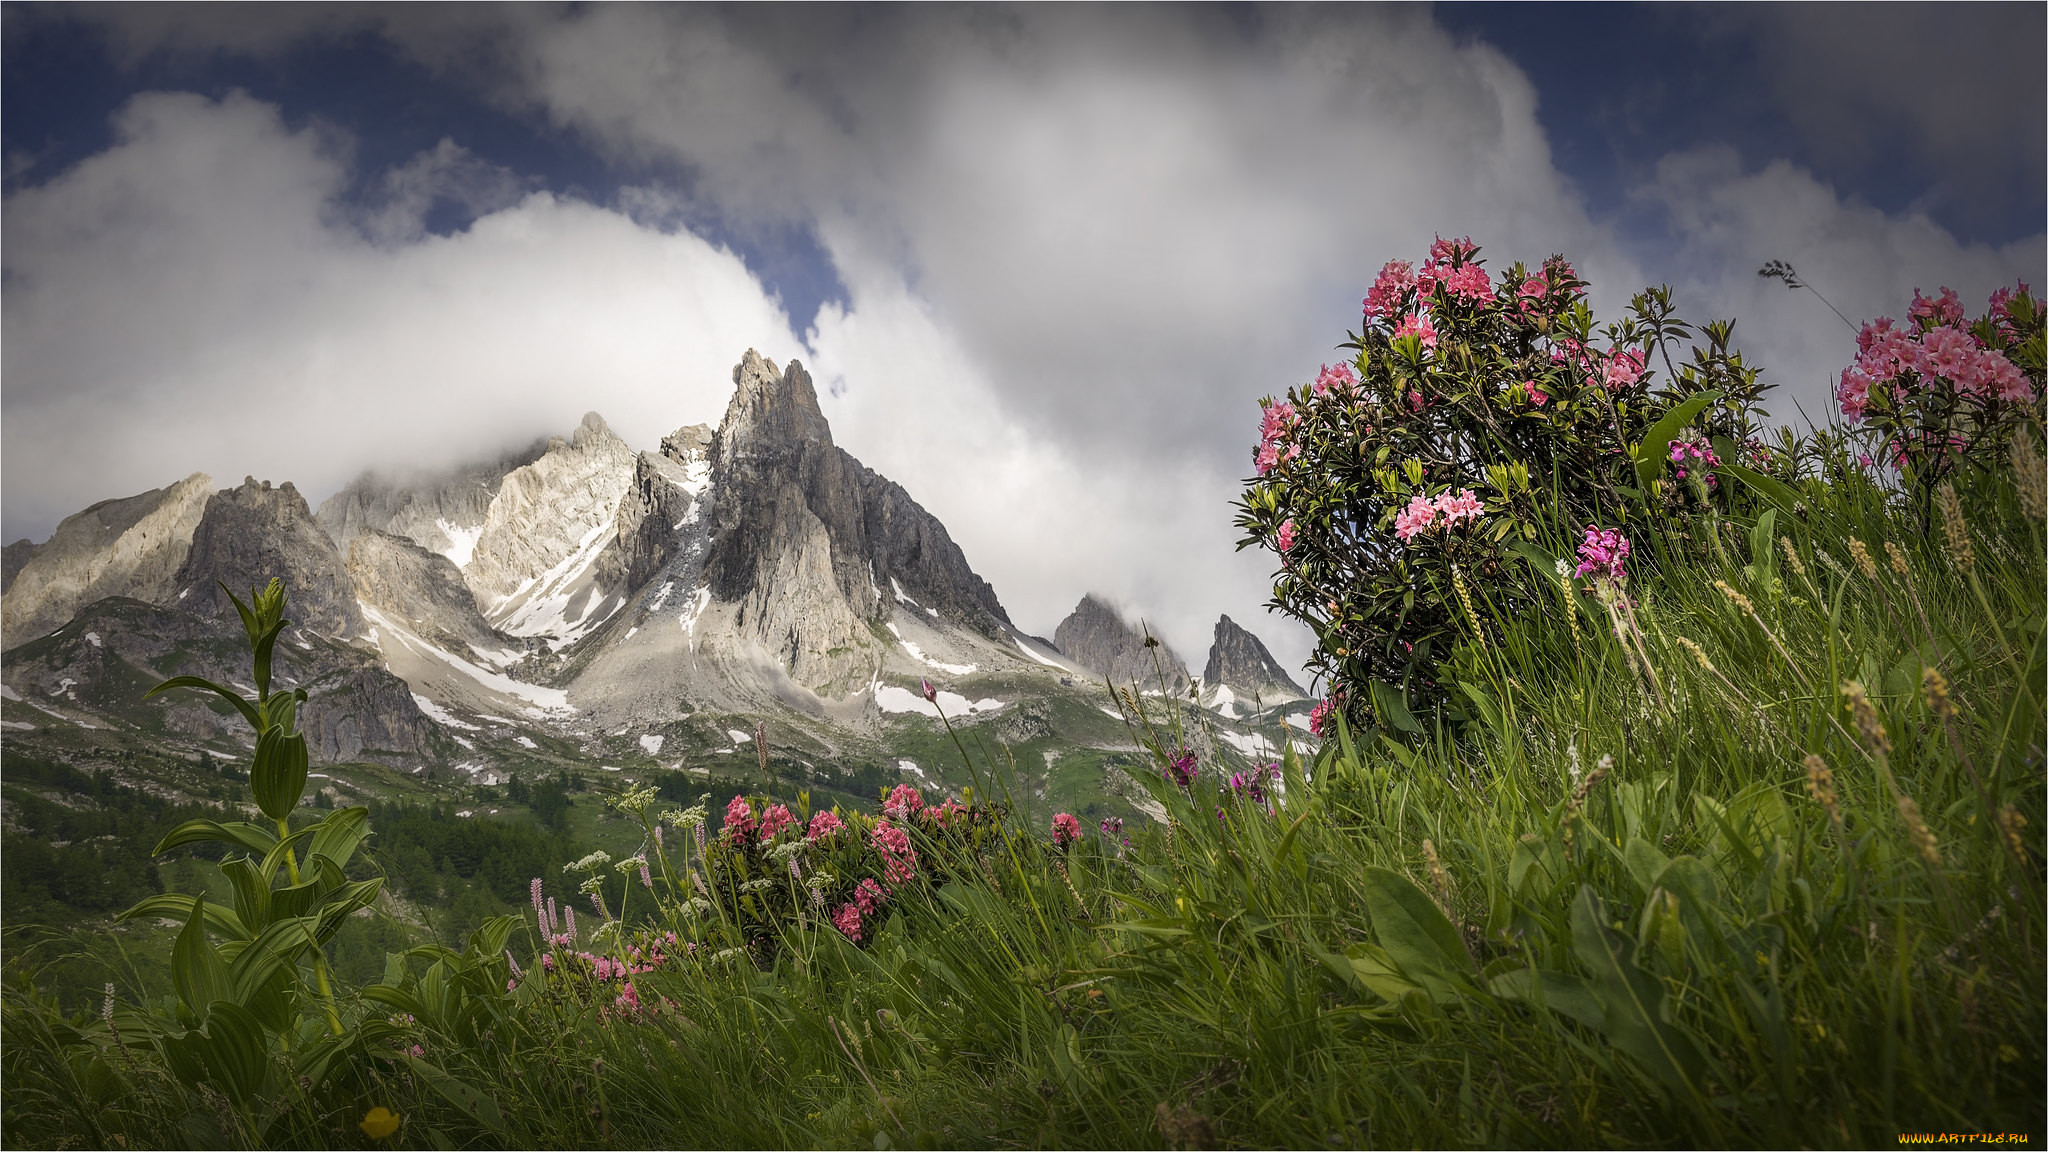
1939 391
1481 414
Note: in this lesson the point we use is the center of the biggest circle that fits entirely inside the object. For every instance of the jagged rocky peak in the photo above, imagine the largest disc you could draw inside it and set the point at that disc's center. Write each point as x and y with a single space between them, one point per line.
127 547
557 511
1096 637
769 410
690 444
811 546
251 534
1240 662
440 511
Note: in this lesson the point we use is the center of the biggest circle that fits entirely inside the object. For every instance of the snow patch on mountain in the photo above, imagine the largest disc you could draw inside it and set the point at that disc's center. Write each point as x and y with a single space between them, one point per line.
545 700
461 541
440 715
890 698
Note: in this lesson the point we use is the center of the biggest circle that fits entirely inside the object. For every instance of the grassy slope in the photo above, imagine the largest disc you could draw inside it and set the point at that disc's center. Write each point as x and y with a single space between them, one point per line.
1728 960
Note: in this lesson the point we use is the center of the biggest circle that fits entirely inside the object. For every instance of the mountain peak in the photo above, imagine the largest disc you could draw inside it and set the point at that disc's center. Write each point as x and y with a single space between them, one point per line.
1240 661
1096 637
770 410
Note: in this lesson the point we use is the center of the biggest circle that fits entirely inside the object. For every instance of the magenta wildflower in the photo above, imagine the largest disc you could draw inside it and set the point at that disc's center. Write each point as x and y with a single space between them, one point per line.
931 694
1603 554
646 880
902 802
899 859
1181 769
1319 717
1065 830
847 920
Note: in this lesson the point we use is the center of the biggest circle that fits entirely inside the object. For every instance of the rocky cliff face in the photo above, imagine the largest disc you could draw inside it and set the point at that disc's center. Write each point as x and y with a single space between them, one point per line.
250 534
1239 661
661 502
424 593
1095 636
130 547
12 557
811 546
545 529
442 512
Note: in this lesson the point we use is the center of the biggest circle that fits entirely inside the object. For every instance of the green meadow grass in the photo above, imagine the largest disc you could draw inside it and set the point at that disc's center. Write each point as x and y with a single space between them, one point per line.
1762 884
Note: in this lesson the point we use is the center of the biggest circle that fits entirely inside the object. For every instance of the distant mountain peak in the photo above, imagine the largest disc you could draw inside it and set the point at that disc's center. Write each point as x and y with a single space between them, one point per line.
770 410
1239 661
1096 636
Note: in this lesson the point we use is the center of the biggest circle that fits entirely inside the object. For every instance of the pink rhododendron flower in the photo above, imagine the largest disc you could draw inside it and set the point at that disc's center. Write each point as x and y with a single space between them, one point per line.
1335 378
1533 292
1602 555
869 897
1537 396
847 920
1421 514
1623 369
775 820
824 826
1383 300
739 819
1463 506
1065 830
1946 310
1287 535
1418 326
1468 283
903 802
899 860
1945 352
1319 716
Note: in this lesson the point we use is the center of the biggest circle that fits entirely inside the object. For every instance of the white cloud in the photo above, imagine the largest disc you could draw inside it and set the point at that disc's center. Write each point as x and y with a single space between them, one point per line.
196 298
1867 263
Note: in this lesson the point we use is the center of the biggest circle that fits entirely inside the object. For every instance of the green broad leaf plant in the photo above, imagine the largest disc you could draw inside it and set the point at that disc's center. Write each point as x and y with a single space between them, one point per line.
247 973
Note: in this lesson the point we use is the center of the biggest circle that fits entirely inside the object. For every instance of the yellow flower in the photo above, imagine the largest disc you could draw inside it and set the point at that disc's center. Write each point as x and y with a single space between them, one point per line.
379 1123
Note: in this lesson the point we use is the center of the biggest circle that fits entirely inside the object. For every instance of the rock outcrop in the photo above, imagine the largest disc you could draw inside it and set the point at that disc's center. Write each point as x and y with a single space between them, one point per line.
1239 661
423 592
546 527
128 547
810 545
441 512
12 557
660 503
254 533
1095 636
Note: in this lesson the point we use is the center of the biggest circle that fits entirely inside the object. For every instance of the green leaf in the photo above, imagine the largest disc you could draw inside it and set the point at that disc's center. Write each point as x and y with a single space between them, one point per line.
1373 967
1561 992
1645 862
1632 1000
255 837
264 647
178 906
1388 702
1423 943
196 969
278 774
233 1050
275 857
337 836
1770 488
247 709
1656 443
251 891
278 946
480 1107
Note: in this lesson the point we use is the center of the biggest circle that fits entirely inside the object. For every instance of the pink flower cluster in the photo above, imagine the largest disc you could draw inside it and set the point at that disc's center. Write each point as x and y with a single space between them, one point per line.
1624 368
1335 378
1274 429
1065 830
1181 769
868 899
739 820
1424 513
824 826
1384 298
1450 264
1252 785
902 803
1895 360
1603 555
1417 326
1287 535
775 820
1113 829
899 859
1319 717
